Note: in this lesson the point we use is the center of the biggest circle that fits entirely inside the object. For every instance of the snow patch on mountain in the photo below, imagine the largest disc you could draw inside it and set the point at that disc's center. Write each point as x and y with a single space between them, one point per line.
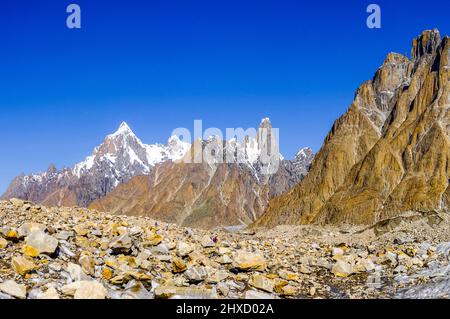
123 150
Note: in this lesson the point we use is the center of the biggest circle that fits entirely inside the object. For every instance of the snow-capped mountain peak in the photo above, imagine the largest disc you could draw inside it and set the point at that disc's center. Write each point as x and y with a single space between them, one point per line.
303 159
265 121
123 129
177 148
121 156
125 154
305 152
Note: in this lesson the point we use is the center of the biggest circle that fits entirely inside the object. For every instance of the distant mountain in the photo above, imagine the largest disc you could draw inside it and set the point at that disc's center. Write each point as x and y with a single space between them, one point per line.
228 189
389 153
120 157
123 175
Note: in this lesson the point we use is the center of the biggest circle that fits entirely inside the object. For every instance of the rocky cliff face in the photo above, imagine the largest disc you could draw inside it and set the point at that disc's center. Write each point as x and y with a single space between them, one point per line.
389 153
190 194
217 183
119 158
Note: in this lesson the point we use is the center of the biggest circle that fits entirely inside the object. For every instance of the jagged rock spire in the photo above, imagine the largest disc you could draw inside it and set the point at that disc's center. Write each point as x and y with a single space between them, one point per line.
426 43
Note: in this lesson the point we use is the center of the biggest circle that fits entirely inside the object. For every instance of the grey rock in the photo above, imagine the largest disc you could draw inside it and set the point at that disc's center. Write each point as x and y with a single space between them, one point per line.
76 272
136 290
196 274
161 249
443 249
121 244
439 289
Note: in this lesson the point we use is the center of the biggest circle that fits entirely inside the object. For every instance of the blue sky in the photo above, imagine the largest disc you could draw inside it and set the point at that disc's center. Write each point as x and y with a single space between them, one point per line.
160 65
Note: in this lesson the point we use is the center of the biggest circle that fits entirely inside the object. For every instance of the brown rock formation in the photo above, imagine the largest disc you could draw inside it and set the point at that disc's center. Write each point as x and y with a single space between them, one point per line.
190 194
389 153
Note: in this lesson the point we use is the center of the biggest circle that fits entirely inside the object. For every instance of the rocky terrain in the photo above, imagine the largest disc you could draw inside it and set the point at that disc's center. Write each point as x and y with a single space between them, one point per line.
388 154
51 253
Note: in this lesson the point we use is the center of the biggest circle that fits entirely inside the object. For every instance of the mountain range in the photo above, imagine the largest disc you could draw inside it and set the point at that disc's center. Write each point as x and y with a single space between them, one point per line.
387 155
121 156
125 176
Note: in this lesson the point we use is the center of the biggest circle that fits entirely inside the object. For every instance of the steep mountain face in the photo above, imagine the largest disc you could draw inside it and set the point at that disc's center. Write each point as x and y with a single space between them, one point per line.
389 153
119 158
217 183
190 194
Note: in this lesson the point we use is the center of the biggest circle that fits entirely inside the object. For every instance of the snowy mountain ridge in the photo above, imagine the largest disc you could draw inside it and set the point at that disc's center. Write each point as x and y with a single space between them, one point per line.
122 156
125 153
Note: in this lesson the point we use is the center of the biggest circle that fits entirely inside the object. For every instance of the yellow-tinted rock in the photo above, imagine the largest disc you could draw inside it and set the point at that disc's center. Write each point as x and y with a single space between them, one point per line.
112 262
87 264
3 243
247 261
279 284
107 273
178 265
139 275
262 282
42 242
81 230
289 290
153 240
289 275
12 235
22 265
127 260
30 251
342 269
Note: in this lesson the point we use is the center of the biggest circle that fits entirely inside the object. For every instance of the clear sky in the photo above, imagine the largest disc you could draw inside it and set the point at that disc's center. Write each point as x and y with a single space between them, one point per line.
159 65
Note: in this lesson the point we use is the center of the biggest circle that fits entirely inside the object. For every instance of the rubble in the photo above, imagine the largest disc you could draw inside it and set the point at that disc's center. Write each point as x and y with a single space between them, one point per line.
60 253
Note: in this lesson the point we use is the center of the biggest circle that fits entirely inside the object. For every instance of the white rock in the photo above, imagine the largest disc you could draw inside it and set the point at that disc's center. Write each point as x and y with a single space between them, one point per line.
342 269
121 244
207 242
196 274
27 228
50 293
44 243
337 251
12 288
184 249
85 290
76 272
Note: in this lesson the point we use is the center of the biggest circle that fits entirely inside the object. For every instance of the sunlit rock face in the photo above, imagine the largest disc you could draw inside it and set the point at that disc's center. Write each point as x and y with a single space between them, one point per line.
388 153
